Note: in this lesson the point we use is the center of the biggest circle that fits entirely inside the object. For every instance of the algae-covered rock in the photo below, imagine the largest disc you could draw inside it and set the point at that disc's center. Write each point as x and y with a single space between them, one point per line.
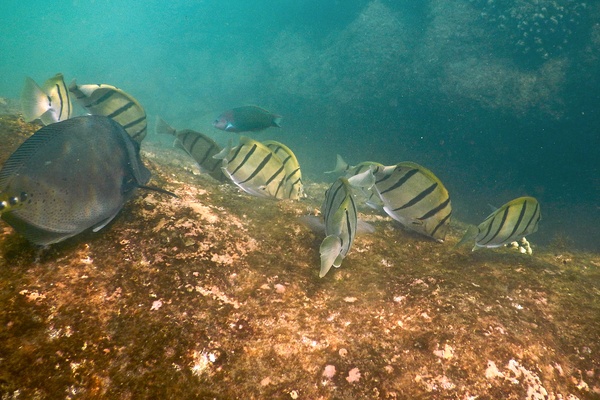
216 294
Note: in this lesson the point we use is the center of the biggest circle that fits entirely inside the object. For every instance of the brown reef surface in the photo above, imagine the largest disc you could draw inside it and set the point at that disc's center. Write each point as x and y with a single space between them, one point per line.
216 295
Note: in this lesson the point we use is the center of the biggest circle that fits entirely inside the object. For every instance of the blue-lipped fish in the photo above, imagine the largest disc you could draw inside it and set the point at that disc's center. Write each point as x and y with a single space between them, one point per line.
246 119
114 103
293 186
68 177
511 222
341 220
416 198
199 146
254 168
50 103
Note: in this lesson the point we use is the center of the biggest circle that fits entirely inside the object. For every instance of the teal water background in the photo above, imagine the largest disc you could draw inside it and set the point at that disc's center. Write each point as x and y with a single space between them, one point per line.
499 99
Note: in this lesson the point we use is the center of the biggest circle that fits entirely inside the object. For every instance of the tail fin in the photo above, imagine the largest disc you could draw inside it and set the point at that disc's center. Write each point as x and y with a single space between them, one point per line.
277 120
34 102
469 235
162 128
340 165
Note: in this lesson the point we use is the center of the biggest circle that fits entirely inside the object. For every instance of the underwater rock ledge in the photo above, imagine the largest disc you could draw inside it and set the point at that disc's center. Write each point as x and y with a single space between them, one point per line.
216 294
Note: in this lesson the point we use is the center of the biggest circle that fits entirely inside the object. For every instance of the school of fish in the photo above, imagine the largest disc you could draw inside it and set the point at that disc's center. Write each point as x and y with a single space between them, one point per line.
44 198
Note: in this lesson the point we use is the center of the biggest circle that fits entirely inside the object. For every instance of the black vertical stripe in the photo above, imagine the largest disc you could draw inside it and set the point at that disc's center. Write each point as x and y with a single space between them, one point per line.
274 176
206 154
135 122
535 213
237 153
100 100
501 225
258 168
440 224
121 110
435 210
61 101
401 181
519 220
418 197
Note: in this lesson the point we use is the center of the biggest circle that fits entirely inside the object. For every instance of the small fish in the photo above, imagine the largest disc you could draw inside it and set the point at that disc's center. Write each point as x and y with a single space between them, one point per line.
368 196
70 176
511 222
199 146
416 198
254 168
293 175
51 103
112 102
342 166
247 118
339 213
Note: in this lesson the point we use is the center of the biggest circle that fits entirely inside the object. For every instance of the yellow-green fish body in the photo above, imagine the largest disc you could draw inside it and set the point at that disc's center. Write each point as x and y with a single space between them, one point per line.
293 175
199 146
511 222
416 198
339 214
114 103
50 103
254 168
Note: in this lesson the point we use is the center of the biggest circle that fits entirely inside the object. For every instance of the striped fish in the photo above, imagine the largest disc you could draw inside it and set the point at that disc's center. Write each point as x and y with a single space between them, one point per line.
342 166
511 222
112 102
339 213
293 175
199 146
415 197
51 103
369 196
254 168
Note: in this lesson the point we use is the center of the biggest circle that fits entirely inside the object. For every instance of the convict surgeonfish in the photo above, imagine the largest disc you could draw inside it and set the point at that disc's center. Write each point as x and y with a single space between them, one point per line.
246 119
70 176
50 103
199 146
341 221
416 198
293 186
112 102
369 196
254 168
511 222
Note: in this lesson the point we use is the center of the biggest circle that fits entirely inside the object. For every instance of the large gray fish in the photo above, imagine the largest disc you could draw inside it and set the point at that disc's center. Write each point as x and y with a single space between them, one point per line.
254 168
293 175
68 177
511 222
339 214
112 102
199 146
50 103
246 118
416 198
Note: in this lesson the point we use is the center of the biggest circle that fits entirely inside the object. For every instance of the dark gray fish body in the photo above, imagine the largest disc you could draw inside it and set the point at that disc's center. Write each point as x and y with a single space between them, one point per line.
246 119
68 177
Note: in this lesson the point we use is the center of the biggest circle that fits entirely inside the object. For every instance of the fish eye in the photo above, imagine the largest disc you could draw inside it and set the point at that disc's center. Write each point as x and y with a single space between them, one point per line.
13 201
3 205
24 196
